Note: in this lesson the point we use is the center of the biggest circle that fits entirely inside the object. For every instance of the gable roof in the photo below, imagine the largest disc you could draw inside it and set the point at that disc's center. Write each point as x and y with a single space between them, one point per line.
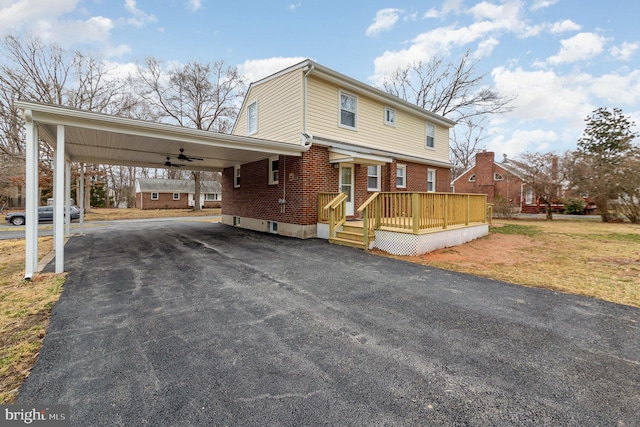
311 67
506 165
148 185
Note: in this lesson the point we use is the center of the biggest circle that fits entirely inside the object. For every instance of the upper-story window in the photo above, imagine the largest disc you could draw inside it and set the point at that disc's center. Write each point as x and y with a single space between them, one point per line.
389 116
373 178
273 170
472 178
252 118
497 177
431 136
348 111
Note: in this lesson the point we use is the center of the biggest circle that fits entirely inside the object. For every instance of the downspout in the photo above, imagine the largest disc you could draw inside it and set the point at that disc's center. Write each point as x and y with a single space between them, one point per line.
306 75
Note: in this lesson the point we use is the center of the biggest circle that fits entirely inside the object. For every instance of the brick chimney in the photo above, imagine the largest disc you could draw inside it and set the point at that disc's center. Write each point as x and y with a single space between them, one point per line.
484 174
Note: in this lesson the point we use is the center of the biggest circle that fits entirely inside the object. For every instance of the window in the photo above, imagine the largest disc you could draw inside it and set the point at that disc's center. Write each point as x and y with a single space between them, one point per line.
389 116
401 176
497 177
348 111
212 197
431 180
252 118
373 178
529 197
431 136
176 196
273 170
154 196
236 176
472 178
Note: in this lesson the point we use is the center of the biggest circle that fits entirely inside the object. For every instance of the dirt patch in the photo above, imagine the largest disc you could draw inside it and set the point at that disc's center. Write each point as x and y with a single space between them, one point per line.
494 249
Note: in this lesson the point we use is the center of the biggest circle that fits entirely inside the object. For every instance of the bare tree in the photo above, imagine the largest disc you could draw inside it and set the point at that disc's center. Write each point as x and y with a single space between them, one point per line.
542 172
196 95
455 91
35 71
465 143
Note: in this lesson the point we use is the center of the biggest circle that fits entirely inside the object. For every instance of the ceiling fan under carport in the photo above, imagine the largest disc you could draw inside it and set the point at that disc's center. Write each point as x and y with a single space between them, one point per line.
184 157
172 165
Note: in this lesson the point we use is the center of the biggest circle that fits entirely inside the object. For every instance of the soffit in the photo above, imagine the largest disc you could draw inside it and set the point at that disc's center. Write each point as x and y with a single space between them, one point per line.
104 139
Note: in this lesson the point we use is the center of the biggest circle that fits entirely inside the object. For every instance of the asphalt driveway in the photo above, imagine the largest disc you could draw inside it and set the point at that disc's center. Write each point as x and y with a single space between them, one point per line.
168 323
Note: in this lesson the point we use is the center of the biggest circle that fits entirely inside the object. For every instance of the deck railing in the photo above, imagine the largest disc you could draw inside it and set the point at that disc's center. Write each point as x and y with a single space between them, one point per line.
323 201
337 209
417 212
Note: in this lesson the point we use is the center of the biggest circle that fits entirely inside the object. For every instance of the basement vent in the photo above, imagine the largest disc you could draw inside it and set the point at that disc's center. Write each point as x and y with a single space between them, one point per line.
236 220
273 227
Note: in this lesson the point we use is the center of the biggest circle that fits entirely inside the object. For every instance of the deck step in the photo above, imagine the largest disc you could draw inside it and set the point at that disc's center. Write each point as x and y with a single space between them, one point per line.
347 242
351 236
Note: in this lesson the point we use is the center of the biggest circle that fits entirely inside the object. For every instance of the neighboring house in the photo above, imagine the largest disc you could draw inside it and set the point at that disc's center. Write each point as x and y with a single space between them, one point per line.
506 179
495 180
175 194
362 140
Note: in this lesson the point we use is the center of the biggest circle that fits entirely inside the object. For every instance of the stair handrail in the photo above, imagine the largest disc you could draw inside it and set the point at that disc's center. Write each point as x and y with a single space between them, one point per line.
364 208
336 219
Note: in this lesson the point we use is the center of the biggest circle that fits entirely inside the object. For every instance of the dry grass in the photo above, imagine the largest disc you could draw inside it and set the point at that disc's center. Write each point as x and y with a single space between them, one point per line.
113 214
581 257
25 308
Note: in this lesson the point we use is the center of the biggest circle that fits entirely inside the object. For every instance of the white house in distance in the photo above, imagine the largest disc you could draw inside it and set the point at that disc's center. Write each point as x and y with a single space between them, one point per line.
176 194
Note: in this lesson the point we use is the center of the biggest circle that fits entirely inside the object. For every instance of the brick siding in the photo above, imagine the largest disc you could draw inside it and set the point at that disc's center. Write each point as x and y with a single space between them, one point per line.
305 177
165 201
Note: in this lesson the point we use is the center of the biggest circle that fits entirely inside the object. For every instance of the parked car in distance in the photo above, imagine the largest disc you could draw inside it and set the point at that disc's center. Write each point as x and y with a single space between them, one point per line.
45 214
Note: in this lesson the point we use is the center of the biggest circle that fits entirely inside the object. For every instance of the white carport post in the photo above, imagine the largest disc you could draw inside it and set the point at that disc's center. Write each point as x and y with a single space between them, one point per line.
80 196
67 198
58 200
32 198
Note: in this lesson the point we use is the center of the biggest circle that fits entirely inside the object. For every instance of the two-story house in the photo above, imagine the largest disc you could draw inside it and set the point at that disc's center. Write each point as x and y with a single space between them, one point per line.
362 140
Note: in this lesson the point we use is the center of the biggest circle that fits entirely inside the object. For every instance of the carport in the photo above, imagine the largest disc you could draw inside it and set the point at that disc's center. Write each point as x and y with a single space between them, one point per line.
88 137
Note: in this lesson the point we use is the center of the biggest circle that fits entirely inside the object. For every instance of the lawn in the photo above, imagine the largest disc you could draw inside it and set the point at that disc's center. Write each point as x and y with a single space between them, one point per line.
575 256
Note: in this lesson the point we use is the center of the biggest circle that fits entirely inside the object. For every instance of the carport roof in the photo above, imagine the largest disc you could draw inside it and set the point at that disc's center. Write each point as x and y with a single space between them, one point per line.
105 139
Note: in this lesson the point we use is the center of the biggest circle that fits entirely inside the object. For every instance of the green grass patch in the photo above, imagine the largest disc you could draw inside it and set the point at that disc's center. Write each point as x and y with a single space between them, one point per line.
523 230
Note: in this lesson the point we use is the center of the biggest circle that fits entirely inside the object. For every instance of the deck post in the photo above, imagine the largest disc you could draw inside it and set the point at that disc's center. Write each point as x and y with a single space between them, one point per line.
445 217
466 218
415 211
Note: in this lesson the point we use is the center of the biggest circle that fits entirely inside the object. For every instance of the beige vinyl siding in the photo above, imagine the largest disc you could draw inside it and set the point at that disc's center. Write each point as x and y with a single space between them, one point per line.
279 109
407 137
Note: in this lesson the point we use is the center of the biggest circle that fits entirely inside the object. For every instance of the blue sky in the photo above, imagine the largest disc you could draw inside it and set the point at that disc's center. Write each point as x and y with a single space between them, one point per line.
561 58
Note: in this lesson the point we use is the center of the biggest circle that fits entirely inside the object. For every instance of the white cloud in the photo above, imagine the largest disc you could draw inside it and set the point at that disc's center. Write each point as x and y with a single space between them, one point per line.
256 69
581 47
521 141
486 47
294 6
541 4
452 6
563 26
384 21
432 13
194 5
140 18
21 15
617 89
544 95
625 51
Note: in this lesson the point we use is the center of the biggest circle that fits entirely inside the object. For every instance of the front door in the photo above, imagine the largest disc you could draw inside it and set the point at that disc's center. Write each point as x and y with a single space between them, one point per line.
346 186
